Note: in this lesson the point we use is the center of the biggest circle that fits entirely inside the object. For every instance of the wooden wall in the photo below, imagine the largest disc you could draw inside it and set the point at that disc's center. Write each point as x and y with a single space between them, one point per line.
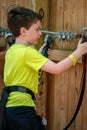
59 100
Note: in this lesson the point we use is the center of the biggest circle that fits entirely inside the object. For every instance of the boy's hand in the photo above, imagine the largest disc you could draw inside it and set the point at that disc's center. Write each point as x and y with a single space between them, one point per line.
40 50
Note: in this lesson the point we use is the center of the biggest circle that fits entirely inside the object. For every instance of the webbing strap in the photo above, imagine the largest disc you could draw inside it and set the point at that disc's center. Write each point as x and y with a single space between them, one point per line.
2 109
20 89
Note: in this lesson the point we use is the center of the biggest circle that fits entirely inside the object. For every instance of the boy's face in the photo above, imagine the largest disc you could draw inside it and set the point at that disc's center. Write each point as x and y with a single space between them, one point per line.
33 33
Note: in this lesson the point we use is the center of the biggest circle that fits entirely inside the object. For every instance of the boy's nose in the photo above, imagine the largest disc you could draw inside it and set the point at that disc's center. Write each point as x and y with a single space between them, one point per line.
40 32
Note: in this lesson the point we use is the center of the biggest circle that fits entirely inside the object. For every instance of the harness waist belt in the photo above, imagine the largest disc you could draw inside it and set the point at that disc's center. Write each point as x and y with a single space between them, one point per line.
3 100
20 89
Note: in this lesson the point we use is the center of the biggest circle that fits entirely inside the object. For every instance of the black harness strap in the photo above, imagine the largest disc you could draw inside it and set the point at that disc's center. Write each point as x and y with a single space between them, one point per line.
20 89
2 109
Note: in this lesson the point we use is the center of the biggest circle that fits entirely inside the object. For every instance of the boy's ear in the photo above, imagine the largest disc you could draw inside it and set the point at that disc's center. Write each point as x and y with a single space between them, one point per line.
23 31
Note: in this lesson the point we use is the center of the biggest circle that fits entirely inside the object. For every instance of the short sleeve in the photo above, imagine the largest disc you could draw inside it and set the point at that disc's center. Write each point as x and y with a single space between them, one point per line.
34 59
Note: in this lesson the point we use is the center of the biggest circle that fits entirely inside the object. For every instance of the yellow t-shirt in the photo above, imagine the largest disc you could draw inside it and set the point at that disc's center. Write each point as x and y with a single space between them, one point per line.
22 64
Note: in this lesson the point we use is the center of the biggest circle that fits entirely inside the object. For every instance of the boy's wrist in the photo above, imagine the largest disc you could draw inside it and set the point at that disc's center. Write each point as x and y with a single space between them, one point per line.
73 59
78 54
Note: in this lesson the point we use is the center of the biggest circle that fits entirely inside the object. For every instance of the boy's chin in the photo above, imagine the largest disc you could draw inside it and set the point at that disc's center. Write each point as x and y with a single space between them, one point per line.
34 43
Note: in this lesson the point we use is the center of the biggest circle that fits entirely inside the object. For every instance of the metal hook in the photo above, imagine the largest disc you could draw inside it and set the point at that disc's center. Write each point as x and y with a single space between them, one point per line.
41 13
9 6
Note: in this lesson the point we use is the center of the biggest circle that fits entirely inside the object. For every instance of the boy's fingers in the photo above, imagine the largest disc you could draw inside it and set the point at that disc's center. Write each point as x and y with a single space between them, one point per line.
80 41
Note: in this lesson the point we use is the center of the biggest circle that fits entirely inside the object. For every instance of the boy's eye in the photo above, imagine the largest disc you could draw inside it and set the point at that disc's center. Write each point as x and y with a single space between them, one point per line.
37 29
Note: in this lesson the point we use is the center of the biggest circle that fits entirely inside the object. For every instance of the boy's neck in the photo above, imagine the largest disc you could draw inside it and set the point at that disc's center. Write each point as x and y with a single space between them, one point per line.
21 41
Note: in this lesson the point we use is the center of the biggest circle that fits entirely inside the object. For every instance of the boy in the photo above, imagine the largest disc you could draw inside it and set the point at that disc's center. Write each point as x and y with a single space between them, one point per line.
22 64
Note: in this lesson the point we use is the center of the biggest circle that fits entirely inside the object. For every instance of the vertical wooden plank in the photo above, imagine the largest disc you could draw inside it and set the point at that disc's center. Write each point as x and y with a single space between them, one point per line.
81 14
56 19
0 13
3 21
60 103
56 15
44 5
24 3
57 103
84 109
66 12
71 95
50 101
78 76
85 13
3 13
66 22
70 22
